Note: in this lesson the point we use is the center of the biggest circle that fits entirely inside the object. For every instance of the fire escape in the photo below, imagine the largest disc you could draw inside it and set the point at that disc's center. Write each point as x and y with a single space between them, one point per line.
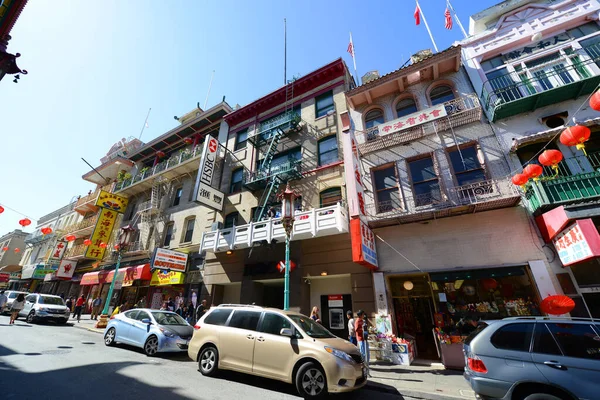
150 214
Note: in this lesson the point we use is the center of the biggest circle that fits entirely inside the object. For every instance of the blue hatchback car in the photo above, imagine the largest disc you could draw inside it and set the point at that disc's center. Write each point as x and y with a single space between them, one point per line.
152 330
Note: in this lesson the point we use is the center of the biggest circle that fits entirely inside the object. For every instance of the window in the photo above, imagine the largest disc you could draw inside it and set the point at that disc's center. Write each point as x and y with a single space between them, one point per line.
241 139
515 337
466 169
31 298
577 340
405 107
425 182
231 220
236 181
189 230
441 94
583 30
328 150
218 316
132 210
324 104
245 320
543 341
330 197
142 315
274 323
178 194
492 63
168 234
387 193
374 118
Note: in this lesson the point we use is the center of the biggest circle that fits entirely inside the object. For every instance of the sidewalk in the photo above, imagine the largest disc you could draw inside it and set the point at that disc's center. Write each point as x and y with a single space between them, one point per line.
85 323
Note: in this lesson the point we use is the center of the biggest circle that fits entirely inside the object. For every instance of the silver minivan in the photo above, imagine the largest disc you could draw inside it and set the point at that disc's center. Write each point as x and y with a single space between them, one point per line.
535 358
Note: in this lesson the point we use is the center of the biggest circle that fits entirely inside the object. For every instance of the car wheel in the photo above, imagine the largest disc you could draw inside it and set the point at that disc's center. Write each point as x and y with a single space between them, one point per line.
151 346
542 396
109 337
31 317
208 362
310 381
63 321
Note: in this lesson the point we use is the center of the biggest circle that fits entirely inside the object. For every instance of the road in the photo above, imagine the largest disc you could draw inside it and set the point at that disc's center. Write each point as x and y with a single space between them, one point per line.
48 361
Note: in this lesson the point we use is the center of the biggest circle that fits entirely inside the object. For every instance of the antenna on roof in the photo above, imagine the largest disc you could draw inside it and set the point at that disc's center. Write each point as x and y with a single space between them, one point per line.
284 52
209 86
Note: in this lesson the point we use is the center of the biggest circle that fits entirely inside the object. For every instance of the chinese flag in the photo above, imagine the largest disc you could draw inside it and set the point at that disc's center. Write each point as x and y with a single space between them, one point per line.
417 15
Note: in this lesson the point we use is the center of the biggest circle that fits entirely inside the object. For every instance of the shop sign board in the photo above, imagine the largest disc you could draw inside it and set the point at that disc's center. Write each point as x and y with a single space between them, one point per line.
58 251
15 275
4 277
66 269
41 271
412 120
171 260
111 201
578 242
102 234
204 193
363 244
353 173
335 300
160 278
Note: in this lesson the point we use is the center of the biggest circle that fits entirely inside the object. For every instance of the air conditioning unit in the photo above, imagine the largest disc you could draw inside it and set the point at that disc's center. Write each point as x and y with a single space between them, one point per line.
216 226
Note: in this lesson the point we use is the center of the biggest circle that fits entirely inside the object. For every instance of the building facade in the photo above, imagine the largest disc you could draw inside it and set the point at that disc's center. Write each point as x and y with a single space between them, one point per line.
11 246
534 64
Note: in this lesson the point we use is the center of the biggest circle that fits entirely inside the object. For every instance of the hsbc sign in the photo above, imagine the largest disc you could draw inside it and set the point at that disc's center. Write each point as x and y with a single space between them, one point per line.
204 193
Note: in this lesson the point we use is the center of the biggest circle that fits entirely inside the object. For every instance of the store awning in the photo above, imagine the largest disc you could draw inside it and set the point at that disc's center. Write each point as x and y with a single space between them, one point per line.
131 274
11 268
94 278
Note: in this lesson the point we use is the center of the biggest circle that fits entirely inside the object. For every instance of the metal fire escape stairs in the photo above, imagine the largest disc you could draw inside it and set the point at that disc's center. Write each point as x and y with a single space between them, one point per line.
151 213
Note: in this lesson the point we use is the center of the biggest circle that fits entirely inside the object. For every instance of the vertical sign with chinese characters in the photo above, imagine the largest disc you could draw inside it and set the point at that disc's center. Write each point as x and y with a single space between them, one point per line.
112 201
58 251
102 232
204 193
578 242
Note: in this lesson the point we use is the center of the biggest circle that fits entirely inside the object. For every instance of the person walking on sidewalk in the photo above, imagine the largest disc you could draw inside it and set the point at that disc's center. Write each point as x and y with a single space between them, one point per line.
351 328
362 336
96 307
201 310
16 307
3 301
79 307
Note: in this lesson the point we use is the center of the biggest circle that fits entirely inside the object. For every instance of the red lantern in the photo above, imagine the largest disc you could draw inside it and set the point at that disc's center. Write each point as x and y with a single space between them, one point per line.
595 101
160 154
24 222
188 140
281 266
117 247
46 231
576 136
550 158
17 250
520 179
87 242
70 238
489 284
557 305
103 245
533 171
1 209
5 248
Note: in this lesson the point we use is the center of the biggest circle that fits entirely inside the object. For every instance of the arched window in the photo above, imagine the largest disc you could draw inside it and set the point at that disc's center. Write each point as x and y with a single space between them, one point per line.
374 118
231 220
441 94
405 107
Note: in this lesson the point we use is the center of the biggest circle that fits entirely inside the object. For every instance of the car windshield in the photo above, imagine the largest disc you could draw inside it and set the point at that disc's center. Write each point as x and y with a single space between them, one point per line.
312 328
55 301
167 318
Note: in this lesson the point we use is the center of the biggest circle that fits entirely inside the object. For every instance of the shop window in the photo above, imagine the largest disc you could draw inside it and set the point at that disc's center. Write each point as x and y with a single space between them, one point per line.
177 198
247 320
217 317
441 94
516 337
189 230
543 342
387 190
236 180
374 118
405 107
328 150
231 220
467 169
274 323
324 104
330 197
241 138
576 340
425 182
168 234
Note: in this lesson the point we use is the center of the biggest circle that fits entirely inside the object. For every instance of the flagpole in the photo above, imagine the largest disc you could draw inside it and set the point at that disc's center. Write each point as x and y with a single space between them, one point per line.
427 26
145 122
354 59
456 17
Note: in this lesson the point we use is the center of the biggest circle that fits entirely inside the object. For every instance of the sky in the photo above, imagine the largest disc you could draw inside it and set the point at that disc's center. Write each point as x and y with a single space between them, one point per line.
95 69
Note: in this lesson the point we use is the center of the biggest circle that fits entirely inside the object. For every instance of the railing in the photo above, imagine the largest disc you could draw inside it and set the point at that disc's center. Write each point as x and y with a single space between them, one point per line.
172 162
317 222
488 191
86 223
287 120
291 167
460 111
548 193
76 251
148 205
37 237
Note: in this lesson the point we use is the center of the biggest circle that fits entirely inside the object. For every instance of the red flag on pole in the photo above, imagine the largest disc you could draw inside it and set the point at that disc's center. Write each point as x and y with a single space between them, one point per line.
448 19
351 49
417 15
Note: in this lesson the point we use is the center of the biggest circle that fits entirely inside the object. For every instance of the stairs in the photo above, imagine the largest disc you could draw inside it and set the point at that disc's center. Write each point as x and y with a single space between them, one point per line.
150 213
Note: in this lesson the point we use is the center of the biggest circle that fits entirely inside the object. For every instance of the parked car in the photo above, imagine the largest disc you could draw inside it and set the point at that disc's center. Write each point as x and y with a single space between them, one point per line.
45 307
276 344
535 358
152 330
12 295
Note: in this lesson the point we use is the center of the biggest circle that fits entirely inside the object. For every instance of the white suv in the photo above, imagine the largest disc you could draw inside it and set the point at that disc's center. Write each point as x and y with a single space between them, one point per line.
46 307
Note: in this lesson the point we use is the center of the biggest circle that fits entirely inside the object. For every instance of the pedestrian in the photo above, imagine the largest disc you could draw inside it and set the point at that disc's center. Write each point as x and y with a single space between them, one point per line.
3 301
17 306
189 317
351 328
201 310
362 336
70 304
96 307
170 304
164 306
79 307
62 296
180 310
314 314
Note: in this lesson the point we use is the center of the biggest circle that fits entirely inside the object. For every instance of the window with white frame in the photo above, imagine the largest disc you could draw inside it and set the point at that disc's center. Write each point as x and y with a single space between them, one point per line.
425 181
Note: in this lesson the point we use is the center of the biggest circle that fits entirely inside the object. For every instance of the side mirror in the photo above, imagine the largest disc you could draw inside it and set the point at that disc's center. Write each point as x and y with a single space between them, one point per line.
147 321
287 332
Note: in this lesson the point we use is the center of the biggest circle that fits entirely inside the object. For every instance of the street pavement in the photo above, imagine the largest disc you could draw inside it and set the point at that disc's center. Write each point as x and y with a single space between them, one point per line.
49 361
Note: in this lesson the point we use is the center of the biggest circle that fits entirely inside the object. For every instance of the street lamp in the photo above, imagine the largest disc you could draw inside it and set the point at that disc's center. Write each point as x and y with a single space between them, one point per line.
120 248
288 198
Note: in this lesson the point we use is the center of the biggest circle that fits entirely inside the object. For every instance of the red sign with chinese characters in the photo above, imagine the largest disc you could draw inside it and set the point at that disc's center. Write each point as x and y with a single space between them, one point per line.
580 241
414 119
363 244
58 251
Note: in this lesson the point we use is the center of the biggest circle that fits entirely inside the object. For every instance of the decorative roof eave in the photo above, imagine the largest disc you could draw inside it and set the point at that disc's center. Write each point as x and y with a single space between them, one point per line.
13 12
118 159
8 64
547 134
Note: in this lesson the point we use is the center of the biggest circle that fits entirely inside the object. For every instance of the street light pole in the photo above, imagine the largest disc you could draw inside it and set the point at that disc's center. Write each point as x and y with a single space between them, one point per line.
286 289
112 285
288 196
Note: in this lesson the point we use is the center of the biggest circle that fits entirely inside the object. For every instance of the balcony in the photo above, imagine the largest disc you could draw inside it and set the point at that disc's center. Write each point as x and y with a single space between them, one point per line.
291 169
461 111
287 121
38 237
150 207
467 199
185 161
87 203
82 228
317 222
544 195
545 84
76 252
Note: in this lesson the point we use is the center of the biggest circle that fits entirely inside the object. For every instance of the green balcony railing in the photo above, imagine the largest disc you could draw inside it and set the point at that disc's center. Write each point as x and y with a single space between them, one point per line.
286 121
290 169
545 194
546 81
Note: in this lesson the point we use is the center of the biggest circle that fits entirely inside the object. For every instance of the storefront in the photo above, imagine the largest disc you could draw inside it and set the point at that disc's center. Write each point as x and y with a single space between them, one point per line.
165 286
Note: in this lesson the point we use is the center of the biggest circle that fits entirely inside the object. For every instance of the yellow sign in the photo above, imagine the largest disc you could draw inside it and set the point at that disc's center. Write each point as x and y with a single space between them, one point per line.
169 278
112 202
102 233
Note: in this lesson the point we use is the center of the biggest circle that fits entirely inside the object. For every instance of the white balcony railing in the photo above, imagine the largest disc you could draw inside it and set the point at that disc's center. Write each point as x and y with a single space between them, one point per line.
317 222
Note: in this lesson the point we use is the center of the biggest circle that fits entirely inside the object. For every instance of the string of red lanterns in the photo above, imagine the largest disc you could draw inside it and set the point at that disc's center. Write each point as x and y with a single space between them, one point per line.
46 231
87 242
70 238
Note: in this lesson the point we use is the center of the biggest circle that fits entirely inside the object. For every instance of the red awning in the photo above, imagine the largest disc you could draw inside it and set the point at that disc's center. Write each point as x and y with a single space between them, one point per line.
131 274
93 278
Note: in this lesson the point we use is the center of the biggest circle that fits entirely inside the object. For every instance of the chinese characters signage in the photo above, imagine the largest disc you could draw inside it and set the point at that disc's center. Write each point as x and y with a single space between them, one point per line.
578 242
66 269
363 244
537 47
169 259
354 183
204 193
58 251
41 271
411 120
170 278
112 202
102 233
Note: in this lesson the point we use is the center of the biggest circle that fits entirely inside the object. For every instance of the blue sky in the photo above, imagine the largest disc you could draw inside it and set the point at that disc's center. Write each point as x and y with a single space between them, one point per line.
96 67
